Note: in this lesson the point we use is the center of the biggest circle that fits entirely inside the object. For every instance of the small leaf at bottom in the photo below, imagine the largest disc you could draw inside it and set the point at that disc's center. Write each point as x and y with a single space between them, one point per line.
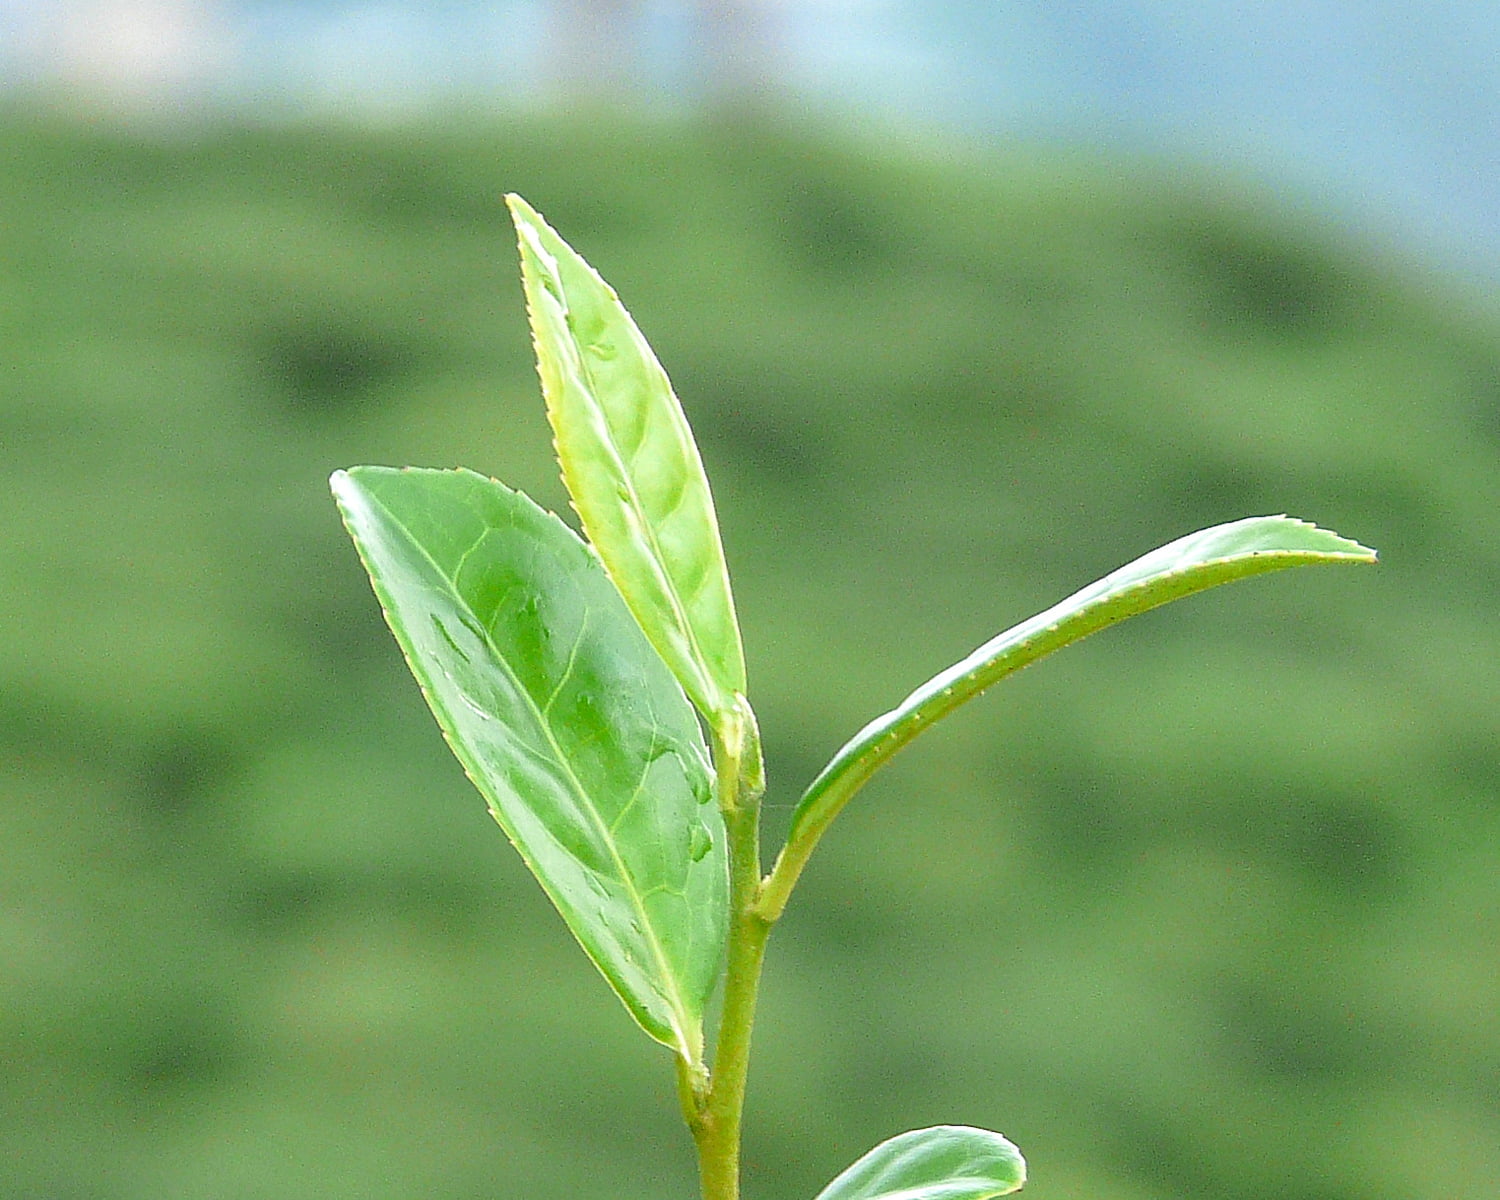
946 1162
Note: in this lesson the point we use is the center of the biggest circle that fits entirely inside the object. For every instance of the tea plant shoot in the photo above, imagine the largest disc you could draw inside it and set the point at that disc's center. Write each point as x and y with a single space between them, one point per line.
595 692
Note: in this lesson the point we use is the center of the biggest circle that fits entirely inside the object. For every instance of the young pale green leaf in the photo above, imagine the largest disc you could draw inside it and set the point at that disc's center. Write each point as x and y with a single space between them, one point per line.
946 1162
630 464
1201 560
567 721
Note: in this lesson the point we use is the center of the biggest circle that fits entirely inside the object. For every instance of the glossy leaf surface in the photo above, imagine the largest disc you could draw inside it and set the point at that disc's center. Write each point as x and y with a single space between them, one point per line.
946 1162
580 740
1194 563
630 463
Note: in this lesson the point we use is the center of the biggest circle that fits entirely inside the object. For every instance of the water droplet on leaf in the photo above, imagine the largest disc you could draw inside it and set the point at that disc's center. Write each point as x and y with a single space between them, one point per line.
448 638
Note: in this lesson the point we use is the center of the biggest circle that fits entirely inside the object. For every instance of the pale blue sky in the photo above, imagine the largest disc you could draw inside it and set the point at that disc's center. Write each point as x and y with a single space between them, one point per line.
1380 113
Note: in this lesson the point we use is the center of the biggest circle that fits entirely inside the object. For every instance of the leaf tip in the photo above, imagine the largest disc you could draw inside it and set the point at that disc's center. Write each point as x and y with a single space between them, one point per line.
528 222
1330 545
519 209
1348 547
341 483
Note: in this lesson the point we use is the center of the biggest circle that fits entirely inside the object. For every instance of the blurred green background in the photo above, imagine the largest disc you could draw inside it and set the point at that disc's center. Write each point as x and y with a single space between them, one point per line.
1207 907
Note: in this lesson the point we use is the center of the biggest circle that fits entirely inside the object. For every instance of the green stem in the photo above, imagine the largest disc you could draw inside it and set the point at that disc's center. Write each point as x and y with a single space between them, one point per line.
716 1120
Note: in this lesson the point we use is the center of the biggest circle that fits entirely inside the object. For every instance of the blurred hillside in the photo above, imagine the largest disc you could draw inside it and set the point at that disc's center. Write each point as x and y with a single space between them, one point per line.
1207 907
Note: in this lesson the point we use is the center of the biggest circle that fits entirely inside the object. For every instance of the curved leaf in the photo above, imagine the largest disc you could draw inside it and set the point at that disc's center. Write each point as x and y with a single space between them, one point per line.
946 1162
630 464
566 720
1220 554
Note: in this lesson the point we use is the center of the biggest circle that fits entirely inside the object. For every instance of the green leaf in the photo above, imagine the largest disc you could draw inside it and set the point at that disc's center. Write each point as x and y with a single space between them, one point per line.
582 743
630 463
1201 560
946 1162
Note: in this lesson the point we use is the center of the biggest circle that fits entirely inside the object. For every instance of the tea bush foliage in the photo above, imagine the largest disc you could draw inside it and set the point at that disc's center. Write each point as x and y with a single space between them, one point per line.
1213 896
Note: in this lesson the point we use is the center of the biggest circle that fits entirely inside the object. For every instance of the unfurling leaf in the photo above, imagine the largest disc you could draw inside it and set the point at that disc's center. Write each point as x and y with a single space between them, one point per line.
631 466
946 1162
567 721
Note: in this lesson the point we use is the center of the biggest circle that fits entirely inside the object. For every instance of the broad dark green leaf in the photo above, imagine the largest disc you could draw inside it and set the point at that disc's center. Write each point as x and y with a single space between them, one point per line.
1201 560
946 1162
630 463
567 721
